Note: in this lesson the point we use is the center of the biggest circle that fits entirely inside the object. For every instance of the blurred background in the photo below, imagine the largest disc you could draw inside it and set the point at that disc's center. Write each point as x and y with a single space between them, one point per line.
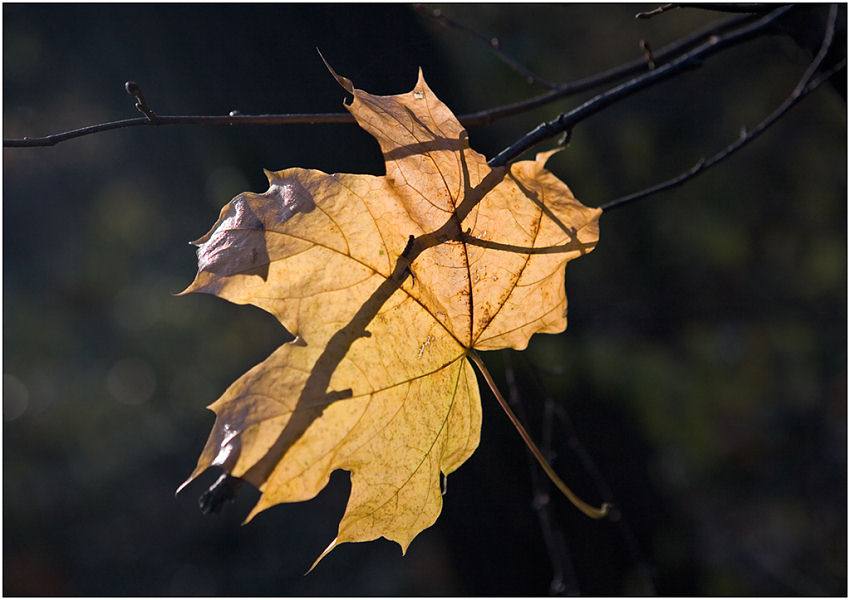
701 384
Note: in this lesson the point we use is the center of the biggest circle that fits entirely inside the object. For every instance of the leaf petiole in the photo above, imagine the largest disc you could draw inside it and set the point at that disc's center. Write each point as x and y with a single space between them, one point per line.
590 511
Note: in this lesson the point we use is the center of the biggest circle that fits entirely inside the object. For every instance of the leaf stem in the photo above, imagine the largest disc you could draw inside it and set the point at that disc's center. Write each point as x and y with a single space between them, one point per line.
590 511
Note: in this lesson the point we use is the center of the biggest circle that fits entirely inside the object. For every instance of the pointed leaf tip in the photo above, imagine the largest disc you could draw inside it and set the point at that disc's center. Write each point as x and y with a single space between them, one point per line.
183 485
345 82
324 553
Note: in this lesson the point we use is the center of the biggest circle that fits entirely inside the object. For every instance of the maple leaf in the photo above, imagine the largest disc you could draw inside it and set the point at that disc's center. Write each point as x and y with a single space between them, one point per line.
390 283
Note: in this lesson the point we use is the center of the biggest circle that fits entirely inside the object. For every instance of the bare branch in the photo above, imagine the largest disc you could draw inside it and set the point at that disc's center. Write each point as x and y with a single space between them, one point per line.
657 11
732 7
554 409
647 53
591 511
151 118
806 85
563 571
492 44
479 118
232 119
612 75
567 121
134 90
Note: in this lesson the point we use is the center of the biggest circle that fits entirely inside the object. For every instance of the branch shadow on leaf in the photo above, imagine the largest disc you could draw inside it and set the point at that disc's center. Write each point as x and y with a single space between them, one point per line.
315 396
249 221
439 144
574 245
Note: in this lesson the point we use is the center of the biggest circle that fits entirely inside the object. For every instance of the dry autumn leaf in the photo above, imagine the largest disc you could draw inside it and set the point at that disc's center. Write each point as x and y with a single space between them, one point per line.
389 283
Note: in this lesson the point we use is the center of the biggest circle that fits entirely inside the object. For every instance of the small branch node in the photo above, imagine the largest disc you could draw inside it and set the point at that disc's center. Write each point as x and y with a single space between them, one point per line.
657 11
647 53
134 90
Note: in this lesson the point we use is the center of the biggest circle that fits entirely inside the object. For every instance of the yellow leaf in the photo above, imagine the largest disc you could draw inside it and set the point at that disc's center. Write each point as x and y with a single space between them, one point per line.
389 283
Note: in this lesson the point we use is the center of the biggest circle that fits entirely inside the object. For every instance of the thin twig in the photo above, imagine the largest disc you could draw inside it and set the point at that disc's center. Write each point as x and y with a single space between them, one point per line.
647 53
736 7
805 86
492 44
612 75
564 580
732 7
134 90
688 60
656 11
590 467
234 119
483 117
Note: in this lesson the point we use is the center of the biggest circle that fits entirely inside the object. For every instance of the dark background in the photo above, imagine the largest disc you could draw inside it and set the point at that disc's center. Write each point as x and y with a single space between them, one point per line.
704 368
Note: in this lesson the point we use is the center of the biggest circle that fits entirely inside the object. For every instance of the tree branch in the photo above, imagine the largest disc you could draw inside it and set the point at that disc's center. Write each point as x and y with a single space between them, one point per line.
483 117
565 122
733 7
553 408
806 85
232 119
563 571
618 73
